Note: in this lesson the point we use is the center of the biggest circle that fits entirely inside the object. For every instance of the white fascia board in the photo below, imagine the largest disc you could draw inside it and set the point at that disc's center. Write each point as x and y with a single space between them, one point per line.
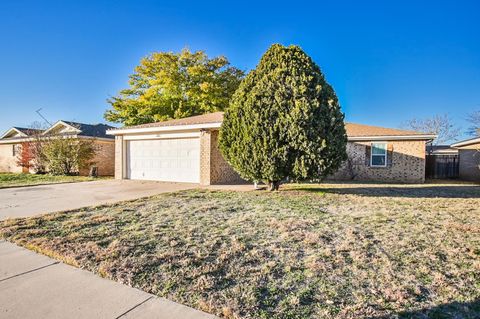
15 141
191 127
217 125
466 142
440 152
391 138
11 141
13 129
161 136
94 138
31 139
60 123
52 127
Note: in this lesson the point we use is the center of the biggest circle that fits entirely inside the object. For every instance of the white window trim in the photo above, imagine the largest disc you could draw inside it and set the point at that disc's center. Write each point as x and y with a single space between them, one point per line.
371 154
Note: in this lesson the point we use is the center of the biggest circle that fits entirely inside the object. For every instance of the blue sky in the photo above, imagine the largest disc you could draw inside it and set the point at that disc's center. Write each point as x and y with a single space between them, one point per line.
387 61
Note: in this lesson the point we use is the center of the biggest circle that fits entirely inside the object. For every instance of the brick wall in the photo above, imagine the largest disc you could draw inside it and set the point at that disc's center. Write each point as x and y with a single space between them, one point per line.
213 167
8 162
205 157
469 162
104 158
119 158
407 163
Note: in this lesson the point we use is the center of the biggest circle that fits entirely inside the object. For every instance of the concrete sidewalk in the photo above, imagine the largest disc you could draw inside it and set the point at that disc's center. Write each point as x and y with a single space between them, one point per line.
35 286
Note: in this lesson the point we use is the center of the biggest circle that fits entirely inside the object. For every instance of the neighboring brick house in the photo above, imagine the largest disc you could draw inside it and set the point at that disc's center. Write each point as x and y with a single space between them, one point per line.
186 150
469 159
9 147
10 144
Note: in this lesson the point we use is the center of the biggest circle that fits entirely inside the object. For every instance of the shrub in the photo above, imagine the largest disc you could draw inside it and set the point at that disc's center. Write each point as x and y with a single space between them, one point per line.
66 156
25 156
39 161
284 121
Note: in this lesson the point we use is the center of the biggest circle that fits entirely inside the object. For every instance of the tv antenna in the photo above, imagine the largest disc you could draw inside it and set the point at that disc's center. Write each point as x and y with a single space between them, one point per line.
43 117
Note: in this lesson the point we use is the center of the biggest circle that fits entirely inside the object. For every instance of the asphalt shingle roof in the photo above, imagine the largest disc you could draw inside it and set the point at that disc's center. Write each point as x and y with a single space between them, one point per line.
215 117
28 131
92 130
359 130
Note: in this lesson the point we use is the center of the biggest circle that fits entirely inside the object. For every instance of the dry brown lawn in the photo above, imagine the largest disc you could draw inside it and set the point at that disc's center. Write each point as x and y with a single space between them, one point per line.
19 179
308 251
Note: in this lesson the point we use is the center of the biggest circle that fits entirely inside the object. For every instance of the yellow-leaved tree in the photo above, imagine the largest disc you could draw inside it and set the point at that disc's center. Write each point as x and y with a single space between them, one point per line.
168 85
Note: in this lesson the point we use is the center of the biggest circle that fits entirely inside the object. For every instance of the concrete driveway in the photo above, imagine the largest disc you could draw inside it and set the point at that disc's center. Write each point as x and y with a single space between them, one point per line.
34 200
35 286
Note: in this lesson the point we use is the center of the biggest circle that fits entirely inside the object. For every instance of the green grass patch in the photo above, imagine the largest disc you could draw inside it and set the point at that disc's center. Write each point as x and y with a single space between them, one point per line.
19 179
290 254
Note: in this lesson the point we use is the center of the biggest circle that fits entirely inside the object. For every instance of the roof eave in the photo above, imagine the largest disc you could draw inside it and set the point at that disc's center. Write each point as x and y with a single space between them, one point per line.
189 127
75 136
16 140
13 129
425 137
217 125
471 141
444 152
58 123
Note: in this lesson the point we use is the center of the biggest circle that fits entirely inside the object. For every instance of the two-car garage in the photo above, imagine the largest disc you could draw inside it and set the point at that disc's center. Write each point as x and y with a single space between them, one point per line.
180 150
170 160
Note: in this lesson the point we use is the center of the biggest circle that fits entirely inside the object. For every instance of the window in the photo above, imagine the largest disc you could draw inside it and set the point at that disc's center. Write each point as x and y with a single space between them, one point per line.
379 155
14 150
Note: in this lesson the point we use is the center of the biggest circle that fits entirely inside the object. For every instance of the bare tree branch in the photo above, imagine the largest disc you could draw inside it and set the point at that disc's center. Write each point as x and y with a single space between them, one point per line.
474 119
439 124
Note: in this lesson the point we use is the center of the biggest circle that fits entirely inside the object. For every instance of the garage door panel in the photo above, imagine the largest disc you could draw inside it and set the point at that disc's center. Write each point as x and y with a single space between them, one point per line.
174 160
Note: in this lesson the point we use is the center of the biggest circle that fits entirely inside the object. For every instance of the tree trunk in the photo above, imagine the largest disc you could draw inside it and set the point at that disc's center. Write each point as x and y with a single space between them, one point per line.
273 185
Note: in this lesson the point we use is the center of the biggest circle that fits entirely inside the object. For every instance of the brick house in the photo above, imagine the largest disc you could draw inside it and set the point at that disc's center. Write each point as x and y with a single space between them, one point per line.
11 141
469 159
186 150
384 154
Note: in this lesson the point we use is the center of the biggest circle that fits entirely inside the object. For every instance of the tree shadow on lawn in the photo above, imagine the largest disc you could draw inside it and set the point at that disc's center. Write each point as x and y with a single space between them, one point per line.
457 310
379 190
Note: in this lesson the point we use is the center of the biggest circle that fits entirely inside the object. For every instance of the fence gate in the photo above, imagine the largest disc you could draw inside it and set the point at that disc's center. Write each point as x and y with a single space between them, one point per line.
441 166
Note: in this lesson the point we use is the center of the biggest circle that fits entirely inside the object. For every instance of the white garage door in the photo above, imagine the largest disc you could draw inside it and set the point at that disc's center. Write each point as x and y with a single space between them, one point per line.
170 160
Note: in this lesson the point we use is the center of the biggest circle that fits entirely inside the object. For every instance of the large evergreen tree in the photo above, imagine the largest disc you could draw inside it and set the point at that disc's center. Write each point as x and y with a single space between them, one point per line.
284 121
170 85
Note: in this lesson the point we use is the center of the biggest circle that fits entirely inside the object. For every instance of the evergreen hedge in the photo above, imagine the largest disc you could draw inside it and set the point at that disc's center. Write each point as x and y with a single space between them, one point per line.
284 121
